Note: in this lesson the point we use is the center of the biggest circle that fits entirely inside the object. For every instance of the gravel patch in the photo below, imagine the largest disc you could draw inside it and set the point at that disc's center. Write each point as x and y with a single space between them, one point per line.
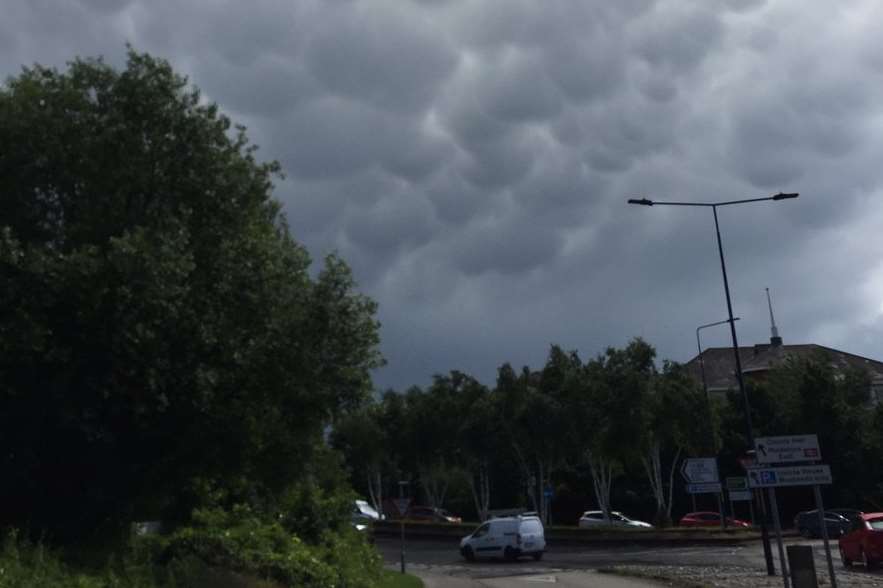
738 577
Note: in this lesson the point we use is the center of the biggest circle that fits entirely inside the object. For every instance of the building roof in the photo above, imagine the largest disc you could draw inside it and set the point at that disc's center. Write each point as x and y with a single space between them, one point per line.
720 363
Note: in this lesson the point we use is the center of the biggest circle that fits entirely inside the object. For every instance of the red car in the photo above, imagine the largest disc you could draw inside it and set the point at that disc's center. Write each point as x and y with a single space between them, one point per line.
864 540
709 519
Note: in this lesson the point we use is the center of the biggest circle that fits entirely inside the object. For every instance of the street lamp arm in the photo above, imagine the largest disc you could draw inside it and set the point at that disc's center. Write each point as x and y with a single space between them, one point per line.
723 322
647 202
779 196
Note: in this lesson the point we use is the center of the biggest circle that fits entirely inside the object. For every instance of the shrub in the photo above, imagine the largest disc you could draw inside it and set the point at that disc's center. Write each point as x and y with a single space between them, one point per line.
243 541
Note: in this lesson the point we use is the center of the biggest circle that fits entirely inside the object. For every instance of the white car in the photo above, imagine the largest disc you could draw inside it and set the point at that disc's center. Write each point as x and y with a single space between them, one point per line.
595 518
363 514
506 537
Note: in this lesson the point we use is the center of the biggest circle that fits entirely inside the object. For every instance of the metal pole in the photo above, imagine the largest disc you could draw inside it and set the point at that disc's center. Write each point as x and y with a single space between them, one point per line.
751 509
824 528
777 525
749 429
402 524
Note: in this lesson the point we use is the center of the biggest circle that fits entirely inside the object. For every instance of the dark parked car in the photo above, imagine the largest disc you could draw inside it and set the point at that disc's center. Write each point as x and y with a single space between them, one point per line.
849 513
807 524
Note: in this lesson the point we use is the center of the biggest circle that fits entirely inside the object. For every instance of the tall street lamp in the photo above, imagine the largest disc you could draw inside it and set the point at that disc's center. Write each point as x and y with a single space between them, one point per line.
749 429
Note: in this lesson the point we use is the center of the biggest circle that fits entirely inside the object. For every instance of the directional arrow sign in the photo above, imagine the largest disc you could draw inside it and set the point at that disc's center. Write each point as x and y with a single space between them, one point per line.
700 470
787 449
789 476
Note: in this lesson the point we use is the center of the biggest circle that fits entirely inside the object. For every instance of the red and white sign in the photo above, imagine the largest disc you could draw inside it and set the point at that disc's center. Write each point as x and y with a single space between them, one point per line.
787 449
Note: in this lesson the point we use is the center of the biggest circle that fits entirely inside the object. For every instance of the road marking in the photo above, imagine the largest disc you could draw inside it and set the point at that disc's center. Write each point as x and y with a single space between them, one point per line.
543 579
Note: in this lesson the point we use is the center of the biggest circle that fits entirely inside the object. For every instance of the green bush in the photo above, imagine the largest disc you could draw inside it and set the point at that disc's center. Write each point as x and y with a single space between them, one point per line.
28 565
229 548
243 541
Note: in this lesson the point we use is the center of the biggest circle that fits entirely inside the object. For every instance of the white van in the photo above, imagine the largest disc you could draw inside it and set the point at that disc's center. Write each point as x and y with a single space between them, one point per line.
507 537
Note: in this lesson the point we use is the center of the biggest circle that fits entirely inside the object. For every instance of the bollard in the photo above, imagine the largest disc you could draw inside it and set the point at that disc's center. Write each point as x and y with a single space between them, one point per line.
803 568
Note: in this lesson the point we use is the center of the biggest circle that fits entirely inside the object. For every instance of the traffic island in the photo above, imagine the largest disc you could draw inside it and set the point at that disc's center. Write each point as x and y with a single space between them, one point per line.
555 535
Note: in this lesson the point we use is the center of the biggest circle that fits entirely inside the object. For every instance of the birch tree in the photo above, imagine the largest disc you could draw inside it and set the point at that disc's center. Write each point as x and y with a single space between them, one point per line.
670 430
611 410
364 444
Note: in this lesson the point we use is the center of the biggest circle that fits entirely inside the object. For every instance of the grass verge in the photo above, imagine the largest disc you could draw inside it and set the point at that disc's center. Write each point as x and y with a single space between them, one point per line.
393 579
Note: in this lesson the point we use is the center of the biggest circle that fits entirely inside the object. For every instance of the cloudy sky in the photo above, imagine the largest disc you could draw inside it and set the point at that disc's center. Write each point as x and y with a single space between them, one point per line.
471 159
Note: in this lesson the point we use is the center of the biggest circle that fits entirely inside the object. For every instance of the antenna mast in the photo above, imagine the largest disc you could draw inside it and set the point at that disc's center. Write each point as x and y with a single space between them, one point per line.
775 340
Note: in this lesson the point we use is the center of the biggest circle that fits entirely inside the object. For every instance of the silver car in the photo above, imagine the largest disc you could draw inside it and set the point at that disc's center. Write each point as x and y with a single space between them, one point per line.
595 518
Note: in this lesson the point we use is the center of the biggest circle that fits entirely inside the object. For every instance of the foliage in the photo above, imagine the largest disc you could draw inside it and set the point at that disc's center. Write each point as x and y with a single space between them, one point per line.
236 548
160 330
242 540
535 428
807 395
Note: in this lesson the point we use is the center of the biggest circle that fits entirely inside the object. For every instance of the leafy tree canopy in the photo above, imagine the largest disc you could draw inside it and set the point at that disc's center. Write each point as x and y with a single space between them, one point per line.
159 326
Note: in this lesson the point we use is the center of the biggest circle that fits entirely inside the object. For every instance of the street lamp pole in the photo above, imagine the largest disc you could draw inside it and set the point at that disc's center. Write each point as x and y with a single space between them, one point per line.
749 429
702 360
720 498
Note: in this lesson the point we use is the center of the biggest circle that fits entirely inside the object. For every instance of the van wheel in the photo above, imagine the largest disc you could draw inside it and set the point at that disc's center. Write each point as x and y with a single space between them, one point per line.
468 554
509 554
538 556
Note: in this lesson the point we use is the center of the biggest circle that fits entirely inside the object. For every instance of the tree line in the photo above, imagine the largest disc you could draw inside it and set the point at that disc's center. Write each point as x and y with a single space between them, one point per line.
611 430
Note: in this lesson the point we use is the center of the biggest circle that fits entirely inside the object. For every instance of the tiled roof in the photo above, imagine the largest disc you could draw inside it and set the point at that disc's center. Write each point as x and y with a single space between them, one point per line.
720 363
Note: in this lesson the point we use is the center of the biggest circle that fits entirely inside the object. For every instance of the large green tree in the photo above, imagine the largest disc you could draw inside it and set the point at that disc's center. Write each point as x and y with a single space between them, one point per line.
160 329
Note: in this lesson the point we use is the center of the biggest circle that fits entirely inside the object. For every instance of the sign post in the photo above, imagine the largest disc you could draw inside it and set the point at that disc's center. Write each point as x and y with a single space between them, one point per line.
818 494
737 491
793 449
777 525
402 505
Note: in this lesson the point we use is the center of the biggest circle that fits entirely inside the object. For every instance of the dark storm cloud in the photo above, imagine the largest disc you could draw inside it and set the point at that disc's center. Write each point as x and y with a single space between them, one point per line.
471 159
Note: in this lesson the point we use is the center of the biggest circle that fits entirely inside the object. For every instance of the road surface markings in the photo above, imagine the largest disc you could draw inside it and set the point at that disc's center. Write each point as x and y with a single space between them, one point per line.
543 579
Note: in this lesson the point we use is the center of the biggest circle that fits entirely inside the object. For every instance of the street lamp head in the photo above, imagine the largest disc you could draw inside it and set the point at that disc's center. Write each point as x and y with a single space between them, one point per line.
781 196
642 201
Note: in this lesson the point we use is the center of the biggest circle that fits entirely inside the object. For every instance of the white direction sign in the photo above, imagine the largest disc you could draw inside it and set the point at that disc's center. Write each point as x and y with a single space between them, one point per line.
789 476
402 505
704 488
787 449
737 495
700 470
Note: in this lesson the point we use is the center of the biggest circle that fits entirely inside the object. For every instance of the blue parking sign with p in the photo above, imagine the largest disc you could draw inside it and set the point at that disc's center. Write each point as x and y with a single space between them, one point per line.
767 477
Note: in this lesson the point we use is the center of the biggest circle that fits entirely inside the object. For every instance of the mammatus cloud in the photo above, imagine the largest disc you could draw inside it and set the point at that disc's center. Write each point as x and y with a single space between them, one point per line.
471 159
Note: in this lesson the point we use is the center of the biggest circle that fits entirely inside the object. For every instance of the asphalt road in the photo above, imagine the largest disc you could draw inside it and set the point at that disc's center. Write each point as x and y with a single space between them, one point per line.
442 557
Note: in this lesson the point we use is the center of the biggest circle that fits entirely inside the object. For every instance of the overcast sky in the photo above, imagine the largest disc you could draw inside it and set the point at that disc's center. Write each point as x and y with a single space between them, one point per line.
471 159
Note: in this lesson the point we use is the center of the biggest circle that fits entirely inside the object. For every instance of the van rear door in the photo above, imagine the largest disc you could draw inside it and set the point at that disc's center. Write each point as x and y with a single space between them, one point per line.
532 536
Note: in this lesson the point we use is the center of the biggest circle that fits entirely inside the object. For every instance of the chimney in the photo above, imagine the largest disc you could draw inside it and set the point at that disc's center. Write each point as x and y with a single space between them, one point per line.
775 340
